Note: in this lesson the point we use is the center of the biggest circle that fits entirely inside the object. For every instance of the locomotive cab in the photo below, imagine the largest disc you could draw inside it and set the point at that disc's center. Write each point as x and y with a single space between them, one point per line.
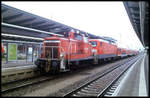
59 53
52 57
55 54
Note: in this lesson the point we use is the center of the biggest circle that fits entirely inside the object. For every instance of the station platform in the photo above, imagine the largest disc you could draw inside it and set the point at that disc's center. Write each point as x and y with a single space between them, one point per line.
15 64
135 82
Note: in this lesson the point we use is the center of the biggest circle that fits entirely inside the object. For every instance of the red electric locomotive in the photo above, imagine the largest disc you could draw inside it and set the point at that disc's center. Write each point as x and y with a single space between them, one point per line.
104 49
121 52
60 52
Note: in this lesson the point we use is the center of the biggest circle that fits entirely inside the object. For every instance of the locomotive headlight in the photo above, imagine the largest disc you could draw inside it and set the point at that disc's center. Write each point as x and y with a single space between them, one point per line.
61 55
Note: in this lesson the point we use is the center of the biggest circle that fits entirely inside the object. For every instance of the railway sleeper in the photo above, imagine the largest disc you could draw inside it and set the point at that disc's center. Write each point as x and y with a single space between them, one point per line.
96 88
89 91
85 94
111 90
92 89
109 93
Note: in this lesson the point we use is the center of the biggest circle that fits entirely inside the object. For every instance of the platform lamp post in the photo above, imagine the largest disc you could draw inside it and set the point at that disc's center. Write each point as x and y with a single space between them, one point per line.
26 47
32 52
7 52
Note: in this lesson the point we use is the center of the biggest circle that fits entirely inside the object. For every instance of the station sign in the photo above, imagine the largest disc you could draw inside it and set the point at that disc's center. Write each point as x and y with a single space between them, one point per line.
12 52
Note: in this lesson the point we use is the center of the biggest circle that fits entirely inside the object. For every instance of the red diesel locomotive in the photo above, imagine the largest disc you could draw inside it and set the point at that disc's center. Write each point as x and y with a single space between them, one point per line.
60 52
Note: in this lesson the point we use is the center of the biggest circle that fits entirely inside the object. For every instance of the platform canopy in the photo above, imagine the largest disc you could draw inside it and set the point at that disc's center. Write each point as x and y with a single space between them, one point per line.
138 13
18 22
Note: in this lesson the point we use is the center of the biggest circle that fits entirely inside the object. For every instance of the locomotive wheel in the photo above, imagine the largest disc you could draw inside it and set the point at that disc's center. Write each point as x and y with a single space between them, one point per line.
56 70
96 59
47 67
42 71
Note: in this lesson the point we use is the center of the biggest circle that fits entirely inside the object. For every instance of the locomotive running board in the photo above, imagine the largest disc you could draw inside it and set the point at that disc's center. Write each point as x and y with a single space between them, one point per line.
66 70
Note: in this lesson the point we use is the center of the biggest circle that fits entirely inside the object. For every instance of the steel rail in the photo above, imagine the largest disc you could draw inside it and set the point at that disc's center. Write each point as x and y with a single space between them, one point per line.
116 79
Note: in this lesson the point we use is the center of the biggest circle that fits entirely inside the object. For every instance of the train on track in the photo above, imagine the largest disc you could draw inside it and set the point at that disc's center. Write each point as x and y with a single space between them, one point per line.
59 54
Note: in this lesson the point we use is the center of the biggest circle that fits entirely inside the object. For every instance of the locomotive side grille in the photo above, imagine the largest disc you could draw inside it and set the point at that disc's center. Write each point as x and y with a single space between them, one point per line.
51 44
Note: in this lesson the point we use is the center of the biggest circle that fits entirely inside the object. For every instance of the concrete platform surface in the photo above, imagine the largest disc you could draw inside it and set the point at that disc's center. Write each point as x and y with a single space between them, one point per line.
16 64
134 83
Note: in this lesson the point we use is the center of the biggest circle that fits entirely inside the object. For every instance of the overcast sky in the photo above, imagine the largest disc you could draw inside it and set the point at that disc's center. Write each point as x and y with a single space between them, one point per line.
99 18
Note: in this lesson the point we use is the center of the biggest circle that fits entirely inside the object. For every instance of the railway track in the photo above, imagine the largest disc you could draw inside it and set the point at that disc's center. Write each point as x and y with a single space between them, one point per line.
11 86
104 84
14 85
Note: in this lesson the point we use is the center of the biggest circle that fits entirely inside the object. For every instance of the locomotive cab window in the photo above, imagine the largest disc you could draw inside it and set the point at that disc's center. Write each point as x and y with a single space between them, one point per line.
77 36
85 39
94 43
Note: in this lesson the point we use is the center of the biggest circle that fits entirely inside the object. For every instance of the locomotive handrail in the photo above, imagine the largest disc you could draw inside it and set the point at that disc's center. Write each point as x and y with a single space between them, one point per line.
69 50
